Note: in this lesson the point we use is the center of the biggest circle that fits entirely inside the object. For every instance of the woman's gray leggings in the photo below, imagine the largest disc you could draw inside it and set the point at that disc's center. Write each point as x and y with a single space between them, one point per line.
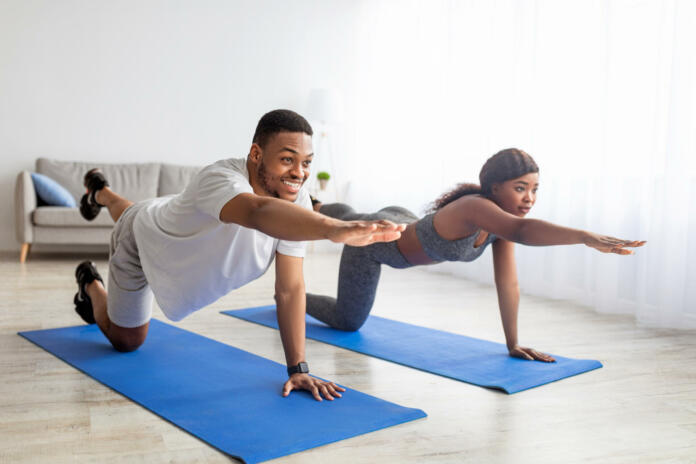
359 271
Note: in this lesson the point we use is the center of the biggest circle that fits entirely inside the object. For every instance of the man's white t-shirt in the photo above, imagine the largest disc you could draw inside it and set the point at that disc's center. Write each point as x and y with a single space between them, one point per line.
190 258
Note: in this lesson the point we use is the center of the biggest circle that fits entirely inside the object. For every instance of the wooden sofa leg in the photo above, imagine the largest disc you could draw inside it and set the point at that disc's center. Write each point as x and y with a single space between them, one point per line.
24 252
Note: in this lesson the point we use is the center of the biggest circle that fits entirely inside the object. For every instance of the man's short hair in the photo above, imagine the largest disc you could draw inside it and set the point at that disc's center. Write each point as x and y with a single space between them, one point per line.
278 121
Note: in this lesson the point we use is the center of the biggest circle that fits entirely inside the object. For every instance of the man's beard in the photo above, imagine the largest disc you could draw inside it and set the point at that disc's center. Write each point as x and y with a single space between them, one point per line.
264 179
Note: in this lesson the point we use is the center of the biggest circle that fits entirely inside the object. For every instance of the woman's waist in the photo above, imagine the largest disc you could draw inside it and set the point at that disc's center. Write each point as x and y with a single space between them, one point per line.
411 248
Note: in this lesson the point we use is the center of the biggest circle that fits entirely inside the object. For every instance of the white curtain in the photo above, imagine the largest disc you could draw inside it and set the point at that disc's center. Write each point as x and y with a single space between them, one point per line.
601 93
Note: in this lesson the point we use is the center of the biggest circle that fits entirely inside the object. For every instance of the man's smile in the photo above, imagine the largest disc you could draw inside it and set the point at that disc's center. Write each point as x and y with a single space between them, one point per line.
293 185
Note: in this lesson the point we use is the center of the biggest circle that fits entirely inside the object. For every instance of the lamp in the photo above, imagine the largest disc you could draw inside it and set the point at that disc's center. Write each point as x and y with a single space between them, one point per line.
325 110
325 106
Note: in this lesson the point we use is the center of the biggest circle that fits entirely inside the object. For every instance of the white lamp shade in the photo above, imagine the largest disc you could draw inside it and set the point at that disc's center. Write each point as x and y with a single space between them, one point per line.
325 106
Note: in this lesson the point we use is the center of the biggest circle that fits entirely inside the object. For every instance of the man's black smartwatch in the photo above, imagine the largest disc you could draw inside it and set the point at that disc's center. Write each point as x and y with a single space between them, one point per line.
301 368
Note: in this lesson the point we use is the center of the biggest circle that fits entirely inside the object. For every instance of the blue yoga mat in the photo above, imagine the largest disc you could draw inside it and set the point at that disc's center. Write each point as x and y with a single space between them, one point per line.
227 397
459 357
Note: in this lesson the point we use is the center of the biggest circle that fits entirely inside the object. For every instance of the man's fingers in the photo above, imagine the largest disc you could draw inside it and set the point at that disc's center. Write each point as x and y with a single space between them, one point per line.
391 226
315 393
386 224
325 391
287 388
363 233
387 236
319 389
337 387
332 390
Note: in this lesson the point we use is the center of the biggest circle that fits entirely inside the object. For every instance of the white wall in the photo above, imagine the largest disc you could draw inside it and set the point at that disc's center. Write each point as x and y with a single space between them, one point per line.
176 81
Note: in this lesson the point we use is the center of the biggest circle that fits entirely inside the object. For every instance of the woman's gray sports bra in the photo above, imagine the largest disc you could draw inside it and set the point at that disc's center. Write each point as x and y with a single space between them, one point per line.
440 249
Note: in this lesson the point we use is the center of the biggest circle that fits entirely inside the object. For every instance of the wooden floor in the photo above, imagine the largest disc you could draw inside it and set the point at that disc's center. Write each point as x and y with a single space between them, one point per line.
641 407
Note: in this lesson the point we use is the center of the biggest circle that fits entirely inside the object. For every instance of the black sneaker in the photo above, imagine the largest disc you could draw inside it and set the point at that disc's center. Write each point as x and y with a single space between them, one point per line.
86 273
94 181
315 202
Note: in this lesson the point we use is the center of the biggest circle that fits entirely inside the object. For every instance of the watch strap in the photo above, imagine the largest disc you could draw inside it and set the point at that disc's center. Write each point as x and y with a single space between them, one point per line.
299 368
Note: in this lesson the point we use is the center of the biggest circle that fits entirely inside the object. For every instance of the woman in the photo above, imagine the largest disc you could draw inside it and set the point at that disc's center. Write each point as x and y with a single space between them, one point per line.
460 225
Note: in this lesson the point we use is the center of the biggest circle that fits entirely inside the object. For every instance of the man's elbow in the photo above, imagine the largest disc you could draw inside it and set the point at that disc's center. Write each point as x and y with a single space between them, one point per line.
288 294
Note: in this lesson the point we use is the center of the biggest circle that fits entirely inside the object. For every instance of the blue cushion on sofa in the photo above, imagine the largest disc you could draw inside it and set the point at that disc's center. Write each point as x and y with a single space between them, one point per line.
51 192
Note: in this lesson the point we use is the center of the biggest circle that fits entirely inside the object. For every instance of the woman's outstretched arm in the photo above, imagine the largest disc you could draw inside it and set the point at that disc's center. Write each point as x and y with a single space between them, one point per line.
509 298
486 215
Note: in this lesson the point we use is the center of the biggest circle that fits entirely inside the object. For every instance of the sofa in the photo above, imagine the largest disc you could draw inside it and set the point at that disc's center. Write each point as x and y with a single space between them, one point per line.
36 223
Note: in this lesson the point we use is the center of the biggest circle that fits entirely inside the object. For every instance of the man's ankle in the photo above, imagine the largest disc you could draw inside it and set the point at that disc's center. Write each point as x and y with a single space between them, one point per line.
93 287
101 197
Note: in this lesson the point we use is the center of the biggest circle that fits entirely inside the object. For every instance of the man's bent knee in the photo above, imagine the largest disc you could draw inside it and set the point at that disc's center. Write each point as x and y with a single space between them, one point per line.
126 346
125 339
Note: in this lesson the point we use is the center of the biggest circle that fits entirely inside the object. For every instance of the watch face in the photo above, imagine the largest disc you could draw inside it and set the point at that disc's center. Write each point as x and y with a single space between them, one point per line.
300 368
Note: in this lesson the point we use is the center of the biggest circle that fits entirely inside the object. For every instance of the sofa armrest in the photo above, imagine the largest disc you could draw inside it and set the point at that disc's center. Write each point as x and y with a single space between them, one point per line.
25 204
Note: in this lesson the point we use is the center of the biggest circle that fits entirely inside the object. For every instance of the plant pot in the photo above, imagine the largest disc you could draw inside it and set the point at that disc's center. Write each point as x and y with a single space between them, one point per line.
322 183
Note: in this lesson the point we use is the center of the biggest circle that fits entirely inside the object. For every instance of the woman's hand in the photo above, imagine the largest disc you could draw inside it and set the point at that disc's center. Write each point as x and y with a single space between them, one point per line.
316 387
530 354
607 244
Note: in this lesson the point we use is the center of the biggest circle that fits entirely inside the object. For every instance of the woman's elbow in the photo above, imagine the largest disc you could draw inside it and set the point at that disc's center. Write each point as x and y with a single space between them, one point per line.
507 286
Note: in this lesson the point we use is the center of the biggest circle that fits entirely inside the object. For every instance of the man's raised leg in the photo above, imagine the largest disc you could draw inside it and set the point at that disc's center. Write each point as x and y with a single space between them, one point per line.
98 195
115 203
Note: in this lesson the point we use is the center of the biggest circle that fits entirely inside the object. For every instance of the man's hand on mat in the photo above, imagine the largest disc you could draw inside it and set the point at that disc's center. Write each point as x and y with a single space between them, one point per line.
530 354
607 244
316 387
361 233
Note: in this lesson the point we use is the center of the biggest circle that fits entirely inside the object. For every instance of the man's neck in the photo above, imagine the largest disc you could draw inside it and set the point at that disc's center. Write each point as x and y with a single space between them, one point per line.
254 181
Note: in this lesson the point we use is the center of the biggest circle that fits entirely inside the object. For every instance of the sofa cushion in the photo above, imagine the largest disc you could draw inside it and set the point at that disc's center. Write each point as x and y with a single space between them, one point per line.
133 181
174 178
59 216
51 192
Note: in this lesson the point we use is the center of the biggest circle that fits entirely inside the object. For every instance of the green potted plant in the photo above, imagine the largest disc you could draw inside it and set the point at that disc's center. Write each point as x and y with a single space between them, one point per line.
323 178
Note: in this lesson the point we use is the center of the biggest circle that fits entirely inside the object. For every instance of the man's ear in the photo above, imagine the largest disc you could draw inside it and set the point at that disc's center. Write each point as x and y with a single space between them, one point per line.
255 153
495 188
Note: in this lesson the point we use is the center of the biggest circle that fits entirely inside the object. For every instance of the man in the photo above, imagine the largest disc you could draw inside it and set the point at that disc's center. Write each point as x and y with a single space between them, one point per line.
221 232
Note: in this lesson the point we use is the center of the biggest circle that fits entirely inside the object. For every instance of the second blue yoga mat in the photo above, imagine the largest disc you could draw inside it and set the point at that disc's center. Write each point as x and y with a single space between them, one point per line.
227 397
459 357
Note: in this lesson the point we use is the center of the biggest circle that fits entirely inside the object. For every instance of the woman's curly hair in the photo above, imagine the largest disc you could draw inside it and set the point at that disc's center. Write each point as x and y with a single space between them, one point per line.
507 164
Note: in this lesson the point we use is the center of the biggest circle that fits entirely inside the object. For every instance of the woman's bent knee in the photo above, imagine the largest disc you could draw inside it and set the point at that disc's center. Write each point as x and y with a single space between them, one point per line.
350 325
338 211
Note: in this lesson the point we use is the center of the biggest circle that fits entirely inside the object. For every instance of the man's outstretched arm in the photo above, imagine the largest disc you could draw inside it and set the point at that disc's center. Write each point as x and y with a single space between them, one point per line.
287 221
290 309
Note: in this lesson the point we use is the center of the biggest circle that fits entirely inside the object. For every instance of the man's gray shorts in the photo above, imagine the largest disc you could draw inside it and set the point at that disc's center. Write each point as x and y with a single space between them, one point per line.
129 302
